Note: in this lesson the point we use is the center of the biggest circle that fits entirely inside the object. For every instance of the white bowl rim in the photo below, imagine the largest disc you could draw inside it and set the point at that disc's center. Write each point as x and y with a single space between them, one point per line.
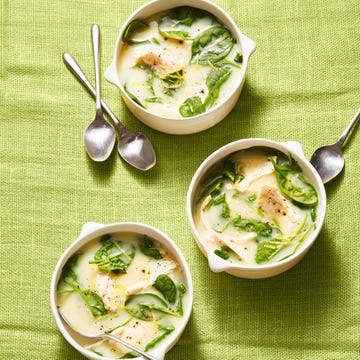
295 149
92 230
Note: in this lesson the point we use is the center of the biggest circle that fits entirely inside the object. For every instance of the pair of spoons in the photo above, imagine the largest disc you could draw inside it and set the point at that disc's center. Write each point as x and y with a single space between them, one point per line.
99 137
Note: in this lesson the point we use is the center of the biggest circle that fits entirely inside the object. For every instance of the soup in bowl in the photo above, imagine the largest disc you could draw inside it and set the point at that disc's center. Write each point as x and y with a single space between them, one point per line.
128 280
255 207
180 69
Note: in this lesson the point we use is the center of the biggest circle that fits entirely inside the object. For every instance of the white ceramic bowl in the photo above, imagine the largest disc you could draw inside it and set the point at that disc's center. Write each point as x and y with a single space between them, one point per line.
91 231
181 125
217 264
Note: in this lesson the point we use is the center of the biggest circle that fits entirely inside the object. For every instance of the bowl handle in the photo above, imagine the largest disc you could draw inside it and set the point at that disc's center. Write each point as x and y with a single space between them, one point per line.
295 147
216 264
111 74
88 227
248 45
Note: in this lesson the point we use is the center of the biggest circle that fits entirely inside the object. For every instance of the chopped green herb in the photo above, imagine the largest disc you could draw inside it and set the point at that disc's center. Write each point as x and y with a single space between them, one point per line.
223 252
252 197
238 58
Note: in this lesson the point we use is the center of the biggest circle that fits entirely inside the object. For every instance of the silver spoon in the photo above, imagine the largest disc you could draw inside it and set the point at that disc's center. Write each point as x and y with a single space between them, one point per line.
99 136
106 336
328 160
135 148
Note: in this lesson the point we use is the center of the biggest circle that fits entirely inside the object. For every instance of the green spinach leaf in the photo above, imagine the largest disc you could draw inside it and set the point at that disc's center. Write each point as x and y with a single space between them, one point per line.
212 45
192 106
95 303
214 80
292 183
148 248
167 287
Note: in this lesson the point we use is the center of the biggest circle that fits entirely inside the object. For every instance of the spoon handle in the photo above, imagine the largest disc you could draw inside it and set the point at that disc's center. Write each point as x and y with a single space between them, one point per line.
348 129
79 74
95 37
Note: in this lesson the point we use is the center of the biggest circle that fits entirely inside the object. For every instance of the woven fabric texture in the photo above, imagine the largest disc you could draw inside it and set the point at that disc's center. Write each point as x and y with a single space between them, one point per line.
303 84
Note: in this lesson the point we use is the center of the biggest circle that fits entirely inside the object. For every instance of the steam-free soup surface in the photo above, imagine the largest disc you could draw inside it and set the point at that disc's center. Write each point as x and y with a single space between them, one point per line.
126 284
179 63
256 207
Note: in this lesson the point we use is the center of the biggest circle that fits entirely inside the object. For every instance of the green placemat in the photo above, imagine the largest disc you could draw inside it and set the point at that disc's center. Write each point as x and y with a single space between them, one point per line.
303 84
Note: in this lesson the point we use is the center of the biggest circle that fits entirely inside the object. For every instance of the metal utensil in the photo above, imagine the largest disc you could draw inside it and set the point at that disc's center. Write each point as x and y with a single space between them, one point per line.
106 336
328 160
99 136
135 148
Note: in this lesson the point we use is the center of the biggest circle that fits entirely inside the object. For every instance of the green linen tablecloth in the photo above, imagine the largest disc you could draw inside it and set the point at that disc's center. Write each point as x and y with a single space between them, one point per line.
303 84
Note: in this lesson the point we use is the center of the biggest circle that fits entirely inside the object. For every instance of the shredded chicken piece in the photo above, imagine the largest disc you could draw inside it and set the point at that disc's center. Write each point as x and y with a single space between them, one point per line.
154 62
158 64
111 293
252 176
241 245
273 203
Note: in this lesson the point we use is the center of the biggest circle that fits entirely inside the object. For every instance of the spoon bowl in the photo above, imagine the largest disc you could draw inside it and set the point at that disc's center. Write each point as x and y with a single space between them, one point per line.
134 147
328 160
99 137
